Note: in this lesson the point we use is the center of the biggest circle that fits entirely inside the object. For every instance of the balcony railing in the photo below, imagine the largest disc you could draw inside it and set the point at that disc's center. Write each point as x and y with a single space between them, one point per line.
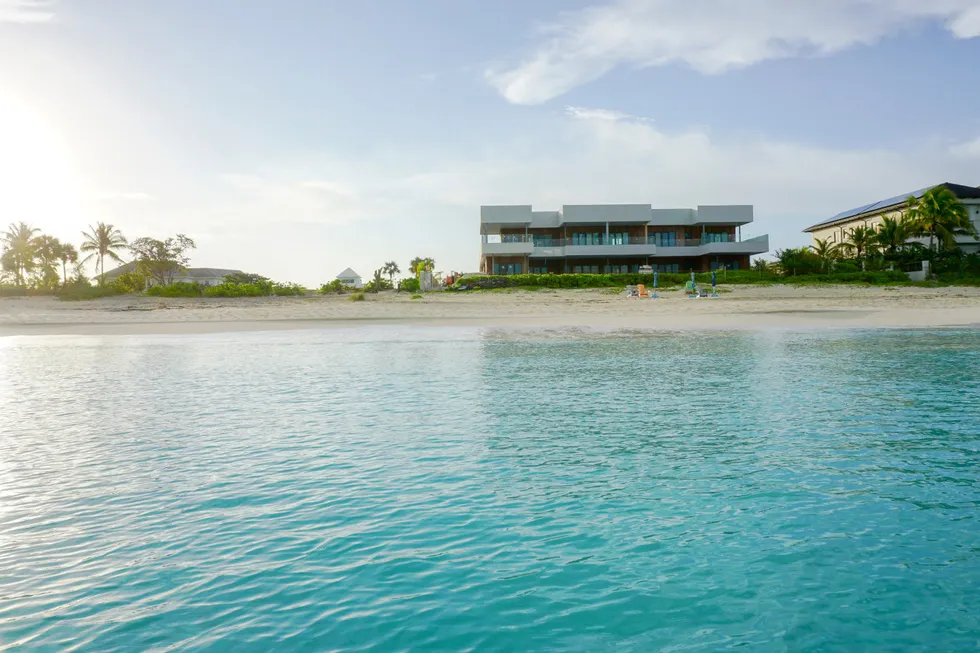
506 238
612 240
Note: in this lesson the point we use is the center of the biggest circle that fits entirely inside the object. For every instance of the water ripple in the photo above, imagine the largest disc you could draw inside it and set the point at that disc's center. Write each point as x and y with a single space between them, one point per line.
387 490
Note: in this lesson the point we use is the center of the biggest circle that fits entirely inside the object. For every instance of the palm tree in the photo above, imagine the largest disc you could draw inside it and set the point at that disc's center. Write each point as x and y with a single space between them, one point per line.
826 250
66 254
102 240
420 264
941 215
391 269
861 241
892 234
21 246
48 253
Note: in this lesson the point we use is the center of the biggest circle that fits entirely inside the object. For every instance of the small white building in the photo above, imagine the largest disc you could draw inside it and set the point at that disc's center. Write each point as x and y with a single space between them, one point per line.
350 278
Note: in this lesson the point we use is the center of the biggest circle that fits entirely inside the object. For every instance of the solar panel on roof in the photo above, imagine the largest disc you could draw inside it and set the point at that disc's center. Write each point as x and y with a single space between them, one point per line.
874 206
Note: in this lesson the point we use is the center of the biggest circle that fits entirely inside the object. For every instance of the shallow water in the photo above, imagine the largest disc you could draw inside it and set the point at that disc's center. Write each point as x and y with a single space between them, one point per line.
389 489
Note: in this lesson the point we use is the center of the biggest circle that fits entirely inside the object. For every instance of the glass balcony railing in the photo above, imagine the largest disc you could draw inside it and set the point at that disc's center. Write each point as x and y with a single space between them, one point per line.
659 239
506 238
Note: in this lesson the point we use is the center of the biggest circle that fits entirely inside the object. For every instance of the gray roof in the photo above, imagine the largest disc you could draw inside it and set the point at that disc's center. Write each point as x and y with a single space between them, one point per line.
348 274
961 191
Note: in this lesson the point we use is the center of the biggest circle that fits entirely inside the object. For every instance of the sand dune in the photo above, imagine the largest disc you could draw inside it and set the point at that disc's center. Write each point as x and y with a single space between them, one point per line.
745 307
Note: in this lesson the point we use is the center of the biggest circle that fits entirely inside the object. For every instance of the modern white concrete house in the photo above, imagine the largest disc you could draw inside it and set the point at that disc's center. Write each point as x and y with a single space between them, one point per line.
200 276
350 278
615 238
837 229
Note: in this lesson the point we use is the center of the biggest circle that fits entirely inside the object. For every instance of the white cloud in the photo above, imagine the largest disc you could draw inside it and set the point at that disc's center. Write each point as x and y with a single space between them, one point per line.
969 150
26 11
583 113
711 36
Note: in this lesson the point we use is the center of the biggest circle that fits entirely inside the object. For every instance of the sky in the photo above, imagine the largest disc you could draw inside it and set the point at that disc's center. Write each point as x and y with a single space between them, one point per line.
295 138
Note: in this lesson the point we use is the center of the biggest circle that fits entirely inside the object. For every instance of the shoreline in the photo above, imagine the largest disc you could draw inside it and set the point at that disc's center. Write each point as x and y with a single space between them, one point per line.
738 308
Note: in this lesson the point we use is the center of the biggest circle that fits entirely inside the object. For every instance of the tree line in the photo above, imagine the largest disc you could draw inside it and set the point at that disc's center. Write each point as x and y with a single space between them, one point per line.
36 260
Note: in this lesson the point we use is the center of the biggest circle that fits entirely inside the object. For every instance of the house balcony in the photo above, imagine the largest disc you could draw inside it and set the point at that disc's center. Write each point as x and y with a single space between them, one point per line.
506 245
653 245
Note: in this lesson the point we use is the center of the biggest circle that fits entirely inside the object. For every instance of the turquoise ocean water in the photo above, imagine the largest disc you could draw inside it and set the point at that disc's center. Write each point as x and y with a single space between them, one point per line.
395 489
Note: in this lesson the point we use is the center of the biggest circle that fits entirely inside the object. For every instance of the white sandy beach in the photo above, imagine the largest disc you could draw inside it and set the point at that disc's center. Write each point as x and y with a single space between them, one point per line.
745 307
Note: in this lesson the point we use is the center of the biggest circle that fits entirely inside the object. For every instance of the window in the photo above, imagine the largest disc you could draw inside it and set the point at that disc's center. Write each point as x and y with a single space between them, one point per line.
506 268
731 265
663 239
543 240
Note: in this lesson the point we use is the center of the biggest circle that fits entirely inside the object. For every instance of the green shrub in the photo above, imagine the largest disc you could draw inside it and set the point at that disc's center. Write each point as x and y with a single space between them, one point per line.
876 278
176 289
528 281
81 292
416 296
801 260
408 284
382 284
334 286
288 290
129 282
358 296
260 289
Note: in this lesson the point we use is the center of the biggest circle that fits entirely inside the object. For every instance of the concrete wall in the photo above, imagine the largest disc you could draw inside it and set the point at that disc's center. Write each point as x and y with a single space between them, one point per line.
725 214
545 219
510 214
669 217
601 213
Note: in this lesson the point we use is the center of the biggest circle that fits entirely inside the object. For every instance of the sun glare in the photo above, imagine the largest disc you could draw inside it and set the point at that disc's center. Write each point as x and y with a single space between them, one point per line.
37 182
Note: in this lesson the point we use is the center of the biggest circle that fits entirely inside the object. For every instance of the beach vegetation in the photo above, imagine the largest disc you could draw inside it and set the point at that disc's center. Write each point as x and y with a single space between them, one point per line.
826 251
667 280
259 289
20 251
420 264
378 283
67 255
941 216
334 286
99 242
128 282
161 260
86 292
390 268
799 261
176 289
409 284
416 296
357 296
244 277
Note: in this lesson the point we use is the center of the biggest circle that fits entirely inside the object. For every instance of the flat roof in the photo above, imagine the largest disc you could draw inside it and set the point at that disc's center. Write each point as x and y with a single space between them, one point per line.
961 191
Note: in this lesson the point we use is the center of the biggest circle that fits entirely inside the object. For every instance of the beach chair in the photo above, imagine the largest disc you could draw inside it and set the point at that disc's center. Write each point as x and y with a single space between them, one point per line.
641 291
